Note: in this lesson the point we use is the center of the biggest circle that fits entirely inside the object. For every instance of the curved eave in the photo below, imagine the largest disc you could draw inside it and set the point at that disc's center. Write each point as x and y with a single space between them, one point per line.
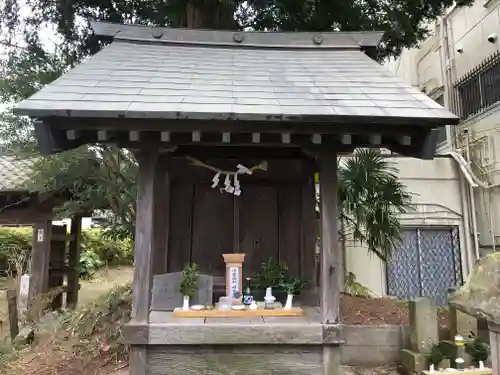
417 139
372 116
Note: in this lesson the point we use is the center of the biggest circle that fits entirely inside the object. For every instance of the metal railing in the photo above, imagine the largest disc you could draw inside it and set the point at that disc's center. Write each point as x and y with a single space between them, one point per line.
479 88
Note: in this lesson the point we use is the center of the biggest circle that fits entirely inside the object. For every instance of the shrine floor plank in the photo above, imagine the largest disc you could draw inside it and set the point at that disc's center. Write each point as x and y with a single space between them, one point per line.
164 328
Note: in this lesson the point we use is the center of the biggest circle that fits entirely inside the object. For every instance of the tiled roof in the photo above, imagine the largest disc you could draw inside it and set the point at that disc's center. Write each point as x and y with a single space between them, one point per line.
14 173
134 78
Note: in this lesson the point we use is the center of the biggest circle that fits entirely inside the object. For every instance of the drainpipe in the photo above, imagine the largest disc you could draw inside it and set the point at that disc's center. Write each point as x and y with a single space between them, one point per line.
472 200
492 221
468 242
447 74
445 60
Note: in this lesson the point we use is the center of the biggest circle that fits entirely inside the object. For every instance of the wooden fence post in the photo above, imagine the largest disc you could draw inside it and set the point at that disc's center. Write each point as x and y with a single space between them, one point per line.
13 317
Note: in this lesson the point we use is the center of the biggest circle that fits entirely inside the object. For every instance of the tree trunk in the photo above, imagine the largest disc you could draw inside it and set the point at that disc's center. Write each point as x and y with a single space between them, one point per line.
209 14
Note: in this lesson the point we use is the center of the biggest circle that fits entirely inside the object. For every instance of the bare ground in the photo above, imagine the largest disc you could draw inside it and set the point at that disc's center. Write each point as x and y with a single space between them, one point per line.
377 311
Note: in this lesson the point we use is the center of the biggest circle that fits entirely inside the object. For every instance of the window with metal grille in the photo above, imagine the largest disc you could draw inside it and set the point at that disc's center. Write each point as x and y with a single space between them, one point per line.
478 89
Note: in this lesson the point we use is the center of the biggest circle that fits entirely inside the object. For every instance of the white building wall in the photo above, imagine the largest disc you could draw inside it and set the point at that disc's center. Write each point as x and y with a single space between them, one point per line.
438 187
436 193
469 28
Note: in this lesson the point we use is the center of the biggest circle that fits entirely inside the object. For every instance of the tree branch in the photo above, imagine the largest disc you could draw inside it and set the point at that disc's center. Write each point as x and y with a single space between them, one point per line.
14 204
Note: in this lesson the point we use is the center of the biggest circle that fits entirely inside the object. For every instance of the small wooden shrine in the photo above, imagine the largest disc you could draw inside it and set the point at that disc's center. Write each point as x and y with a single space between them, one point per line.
196 106
50 262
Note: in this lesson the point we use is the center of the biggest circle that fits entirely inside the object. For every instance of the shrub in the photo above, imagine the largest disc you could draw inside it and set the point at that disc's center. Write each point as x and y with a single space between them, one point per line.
110 251
96 250
102 320
13 238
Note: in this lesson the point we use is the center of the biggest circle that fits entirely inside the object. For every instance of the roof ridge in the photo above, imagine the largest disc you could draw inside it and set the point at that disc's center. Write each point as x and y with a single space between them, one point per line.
292 40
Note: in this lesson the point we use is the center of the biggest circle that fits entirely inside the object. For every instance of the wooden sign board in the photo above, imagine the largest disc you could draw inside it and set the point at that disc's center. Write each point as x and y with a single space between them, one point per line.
234 273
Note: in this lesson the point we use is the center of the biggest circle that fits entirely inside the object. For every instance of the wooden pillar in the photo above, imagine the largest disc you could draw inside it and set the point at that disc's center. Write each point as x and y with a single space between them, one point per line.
40 258
74 262
330 260
310 295
494 347
146 246
162 223
330 257
57 264
145 241
13 316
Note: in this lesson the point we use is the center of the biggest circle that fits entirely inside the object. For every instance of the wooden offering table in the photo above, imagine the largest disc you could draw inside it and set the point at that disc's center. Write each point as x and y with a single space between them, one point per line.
474 371
216 313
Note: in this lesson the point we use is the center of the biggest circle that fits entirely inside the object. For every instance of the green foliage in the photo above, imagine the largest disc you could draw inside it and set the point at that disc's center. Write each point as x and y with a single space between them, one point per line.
89 264
372 199
355 288
478 350
111 251
97 249
437 355
11 239
290 285
95 177
274 274
269 273
103 318
110 307
403 21
189 280
16 133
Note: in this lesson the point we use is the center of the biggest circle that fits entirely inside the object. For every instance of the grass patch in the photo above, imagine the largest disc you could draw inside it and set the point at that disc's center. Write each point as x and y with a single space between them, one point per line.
78 342
7 354
100 323
105 280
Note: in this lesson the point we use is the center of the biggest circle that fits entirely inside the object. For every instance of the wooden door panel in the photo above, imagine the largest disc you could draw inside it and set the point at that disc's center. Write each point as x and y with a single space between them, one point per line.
258 225
289 203
212 229
179 240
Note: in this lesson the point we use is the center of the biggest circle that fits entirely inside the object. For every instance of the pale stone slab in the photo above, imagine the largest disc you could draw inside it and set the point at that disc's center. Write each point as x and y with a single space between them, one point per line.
167 295
424 328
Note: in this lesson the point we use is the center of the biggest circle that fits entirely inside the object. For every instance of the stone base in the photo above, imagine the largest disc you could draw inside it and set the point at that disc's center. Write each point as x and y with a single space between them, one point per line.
462 323
416 362
236 359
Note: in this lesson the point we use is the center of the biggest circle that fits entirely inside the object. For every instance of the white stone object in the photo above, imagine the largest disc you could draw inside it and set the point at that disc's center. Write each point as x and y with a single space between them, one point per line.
253 305
185 303
289 299
269 292
24 286
269 298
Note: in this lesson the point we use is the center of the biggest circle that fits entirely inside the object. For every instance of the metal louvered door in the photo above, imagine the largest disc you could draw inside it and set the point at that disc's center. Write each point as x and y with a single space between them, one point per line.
403 275
426 264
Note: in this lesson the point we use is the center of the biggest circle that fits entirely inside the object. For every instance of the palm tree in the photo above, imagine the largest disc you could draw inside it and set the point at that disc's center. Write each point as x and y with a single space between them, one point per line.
371 200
